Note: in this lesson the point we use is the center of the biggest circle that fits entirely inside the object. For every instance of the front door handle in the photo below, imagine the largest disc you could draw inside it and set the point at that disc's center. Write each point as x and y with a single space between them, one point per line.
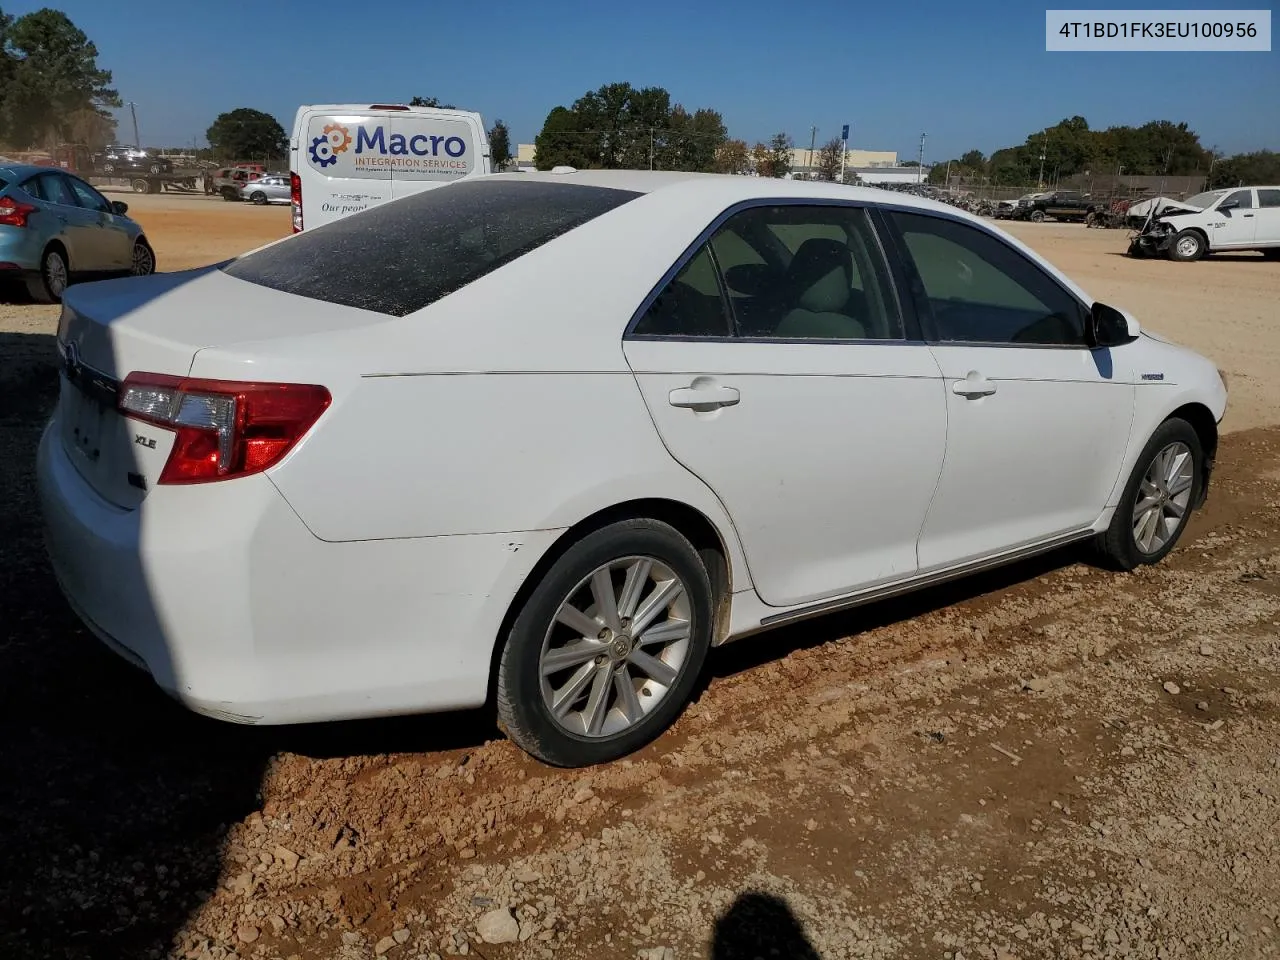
1247 215
703 395
973 386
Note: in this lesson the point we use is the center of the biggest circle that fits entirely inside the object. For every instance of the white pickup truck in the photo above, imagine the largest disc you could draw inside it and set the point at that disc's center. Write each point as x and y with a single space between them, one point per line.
1240 218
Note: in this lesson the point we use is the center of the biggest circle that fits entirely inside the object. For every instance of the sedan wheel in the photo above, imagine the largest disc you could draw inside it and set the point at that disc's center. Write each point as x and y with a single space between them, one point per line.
1164 496
54 277
144 261
1157 502
607 649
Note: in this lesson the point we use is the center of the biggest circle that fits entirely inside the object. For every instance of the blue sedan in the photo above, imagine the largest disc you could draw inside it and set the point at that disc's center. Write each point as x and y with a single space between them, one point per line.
54 228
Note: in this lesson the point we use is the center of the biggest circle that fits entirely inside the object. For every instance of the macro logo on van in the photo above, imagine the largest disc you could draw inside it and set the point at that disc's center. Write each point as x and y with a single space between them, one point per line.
325 148
415 148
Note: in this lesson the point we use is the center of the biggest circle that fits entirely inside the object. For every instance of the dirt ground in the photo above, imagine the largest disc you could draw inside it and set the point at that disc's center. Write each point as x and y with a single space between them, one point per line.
1047 761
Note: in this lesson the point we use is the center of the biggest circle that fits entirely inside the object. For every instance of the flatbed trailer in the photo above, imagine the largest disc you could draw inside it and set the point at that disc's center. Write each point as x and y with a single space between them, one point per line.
179 181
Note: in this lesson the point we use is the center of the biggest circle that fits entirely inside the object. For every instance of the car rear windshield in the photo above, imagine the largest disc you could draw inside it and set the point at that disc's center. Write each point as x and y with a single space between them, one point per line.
404 255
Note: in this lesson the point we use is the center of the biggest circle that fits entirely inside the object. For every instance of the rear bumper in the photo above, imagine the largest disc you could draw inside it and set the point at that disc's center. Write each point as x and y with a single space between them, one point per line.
239 612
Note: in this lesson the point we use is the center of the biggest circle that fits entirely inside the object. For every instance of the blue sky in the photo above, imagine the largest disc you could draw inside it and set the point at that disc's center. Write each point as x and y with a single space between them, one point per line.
969 75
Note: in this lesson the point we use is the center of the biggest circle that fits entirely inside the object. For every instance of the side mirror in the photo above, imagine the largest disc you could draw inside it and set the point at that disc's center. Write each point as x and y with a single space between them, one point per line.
119 207
1228 204
1109 327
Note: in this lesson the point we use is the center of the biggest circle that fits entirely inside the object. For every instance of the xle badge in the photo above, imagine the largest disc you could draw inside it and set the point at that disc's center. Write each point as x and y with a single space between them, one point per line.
142 441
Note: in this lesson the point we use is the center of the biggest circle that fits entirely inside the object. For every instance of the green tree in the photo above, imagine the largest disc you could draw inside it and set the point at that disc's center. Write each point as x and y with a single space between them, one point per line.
618 126
973 160
245 133
432 102
779 156
1262 166
50 74
499 145
829 160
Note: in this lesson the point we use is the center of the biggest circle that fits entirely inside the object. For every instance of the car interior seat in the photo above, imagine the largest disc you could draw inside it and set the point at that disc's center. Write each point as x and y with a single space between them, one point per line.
820 281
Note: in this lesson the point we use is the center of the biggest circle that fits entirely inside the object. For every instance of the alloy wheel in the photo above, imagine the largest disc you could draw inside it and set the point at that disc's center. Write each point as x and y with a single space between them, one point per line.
616 647
1164 496
143 260
55 273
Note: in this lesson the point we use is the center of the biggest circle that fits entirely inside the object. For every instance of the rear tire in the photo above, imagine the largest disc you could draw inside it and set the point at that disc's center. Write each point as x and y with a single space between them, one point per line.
1189 245
1158 499
1036 216
259 198
575 687
53 279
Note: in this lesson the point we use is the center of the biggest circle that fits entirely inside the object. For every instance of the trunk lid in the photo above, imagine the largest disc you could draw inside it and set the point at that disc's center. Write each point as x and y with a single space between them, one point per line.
158 324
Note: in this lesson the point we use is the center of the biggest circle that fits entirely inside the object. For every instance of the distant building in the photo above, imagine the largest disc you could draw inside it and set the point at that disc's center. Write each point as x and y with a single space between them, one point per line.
802 162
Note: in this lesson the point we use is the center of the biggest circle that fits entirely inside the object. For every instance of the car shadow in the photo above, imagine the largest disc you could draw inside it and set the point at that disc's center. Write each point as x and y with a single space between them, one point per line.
760 925
755 651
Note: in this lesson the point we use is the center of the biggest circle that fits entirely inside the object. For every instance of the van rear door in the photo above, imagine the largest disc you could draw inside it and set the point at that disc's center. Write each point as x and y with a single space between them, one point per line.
342 171
429 151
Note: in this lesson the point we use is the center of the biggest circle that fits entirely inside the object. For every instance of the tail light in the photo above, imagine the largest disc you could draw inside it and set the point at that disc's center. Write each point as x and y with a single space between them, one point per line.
224 428
14 213
295 200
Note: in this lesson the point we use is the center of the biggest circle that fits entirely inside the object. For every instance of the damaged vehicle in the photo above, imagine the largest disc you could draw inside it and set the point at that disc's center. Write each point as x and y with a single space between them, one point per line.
1243 218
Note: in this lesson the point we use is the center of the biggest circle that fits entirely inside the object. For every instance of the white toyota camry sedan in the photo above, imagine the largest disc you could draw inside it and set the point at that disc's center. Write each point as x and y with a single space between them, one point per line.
541 441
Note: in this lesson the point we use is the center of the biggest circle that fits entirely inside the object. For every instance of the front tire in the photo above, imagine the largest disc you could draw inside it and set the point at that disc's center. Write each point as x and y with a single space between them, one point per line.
607 649
1158 499
259 198
1187 246
1037 216
143 263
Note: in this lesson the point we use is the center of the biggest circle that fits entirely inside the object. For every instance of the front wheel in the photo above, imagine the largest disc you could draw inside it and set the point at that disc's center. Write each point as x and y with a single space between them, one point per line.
606 651
1037 216
1157 500
144 259
259 198
1188 245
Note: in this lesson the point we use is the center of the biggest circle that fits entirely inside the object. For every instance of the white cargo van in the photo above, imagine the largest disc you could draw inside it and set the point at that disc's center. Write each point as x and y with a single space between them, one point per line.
346 157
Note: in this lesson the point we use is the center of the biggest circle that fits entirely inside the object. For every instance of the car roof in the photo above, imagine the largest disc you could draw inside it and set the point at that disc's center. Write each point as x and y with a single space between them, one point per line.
732 188
17 170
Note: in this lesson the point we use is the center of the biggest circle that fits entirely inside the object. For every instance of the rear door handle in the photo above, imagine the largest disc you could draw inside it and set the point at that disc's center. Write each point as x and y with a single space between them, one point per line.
973 386
706 395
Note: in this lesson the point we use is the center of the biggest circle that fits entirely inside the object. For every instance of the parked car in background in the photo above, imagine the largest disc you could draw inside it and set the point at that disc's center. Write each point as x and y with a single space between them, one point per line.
227 181
56 228
1241 218
556 435
1060 205
273 188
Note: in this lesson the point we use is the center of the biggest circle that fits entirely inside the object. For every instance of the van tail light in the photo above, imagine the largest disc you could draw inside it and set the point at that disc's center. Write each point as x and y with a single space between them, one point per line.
14 213
295 200
224 428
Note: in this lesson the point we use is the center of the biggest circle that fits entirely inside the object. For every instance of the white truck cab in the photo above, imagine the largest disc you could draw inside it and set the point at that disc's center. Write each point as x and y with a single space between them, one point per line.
1235 218
346 157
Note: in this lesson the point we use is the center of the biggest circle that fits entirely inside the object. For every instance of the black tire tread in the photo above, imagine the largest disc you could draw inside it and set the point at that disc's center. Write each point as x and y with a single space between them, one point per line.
510 719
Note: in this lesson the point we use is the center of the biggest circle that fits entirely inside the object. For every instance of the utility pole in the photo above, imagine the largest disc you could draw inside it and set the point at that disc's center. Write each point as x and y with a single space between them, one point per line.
137 142
813 139
1040 183
651 148
920 162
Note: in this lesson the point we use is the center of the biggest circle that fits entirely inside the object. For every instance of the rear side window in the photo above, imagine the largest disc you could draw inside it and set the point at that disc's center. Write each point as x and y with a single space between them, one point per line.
399 257
1266 198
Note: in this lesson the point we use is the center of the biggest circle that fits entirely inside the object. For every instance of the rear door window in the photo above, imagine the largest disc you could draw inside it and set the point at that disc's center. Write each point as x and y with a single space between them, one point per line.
54 189
397 258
